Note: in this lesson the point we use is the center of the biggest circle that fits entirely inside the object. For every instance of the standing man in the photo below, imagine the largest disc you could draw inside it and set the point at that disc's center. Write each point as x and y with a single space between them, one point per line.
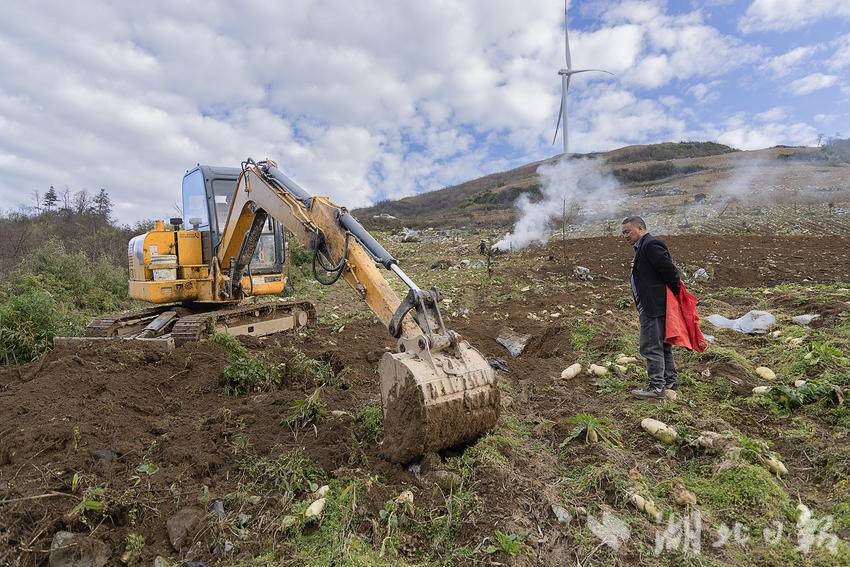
653 272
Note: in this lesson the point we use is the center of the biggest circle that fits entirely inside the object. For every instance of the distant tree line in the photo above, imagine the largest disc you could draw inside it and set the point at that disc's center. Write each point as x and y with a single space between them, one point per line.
834 150
81 221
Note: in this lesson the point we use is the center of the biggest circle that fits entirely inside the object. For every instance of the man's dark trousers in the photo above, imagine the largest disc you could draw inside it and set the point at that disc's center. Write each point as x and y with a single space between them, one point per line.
658 353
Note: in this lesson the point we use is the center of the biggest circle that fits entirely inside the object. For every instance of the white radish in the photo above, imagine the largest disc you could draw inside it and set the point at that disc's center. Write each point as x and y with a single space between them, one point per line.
623 359
761 390
571 371
315 509
711 441
645 505
775 466
321 492
766 373
597 370
659 430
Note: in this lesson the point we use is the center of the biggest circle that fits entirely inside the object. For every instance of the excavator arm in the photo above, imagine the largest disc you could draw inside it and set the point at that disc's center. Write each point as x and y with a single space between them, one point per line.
437 390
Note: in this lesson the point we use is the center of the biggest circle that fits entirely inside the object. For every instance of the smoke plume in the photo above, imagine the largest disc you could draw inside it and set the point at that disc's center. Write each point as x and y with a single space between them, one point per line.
585 186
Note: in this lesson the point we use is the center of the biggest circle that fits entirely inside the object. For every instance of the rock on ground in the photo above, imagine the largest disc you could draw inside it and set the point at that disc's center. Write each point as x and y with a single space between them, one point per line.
513 341
181 525
78 550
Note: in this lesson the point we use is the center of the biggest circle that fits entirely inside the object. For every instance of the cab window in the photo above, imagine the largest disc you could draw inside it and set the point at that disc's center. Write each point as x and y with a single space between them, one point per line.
264 255
195 201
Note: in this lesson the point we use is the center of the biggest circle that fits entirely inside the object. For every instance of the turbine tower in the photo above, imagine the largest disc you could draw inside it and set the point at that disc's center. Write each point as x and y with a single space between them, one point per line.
565 74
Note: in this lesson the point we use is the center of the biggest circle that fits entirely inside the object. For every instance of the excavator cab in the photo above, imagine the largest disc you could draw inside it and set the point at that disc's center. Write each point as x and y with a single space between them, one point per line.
207 192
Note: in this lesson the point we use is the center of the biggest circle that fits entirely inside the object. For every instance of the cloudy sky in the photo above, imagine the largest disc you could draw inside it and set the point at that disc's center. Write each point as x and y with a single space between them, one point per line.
371 99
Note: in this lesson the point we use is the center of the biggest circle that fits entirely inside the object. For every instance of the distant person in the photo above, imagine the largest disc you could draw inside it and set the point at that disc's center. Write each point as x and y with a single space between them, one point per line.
653 272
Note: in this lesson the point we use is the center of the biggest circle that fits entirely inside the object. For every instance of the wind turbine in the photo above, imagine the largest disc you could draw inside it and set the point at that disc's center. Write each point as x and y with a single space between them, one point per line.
565 74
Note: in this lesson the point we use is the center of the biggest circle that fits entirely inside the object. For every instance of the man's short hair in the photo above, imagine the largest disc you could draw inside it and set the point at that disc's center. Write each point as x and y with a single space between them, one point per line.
636 221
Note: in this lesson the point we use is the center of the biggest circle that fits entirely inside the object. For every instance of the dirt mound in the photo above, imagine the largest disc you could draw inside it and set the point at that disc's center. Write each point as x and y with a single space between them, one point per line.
108 412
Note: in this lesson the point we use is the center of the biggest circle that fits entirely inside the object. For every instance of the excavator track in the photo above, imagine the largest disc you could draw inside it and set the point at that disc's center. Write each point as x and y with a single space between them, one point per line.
192 325
117 325
256 320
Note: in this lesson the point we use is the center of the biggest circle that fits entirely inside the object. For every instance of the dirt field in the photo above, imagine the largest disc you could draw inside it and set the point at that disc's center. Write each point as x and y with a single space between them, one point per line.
113 443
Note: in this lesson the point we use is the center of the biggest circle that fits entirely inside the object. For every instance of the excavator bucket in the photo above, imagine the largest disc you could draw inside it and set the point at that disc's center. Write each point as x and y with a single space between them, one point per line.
434 400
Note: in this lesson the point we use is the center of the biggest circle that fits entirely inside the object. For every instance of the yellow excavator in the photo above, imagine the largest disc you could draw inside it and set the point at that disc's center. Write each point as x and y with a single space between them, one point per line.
437 390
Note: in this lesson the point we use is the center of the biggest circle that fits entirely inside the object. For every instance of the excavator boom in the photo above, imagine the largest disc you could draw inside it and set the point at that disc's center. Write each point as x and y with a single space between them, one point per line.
437 390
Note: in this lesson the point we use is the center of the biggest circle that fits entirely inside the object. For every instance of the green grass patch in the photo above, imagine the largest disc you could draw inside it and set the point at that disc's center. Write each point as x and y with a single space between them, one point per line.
744 491
245 372
290 471
299 366
371 420
582 335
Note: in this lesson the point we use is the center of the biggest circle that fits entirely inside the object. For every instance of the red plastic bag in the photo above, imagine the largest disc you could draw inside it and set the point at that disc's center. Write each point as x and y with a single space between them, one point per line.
683 321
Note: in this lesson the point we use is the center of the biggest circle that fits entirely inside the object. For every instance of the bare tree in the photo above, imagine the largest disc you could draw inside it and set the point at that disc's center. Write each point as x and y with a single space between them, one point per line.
82 202
66 197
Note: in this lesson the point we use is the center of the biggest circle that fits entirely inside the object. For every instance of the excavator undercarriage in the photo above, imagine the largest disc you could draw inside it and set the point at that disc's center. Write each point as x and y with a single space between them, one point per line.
167 326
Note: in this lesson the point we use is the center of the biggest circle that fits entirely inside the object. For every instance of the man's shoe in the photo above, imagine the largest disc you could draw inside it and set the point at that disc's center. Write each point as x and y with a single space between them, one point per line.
649 393
673 386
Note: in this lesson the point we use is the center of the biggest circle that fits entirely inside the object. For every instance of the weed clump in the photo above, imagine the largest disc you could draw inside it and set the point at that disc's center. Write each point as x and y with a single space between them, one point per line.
742 490
311 409
245 372
28 322
299 366
595 430
582 335
290 471
371 419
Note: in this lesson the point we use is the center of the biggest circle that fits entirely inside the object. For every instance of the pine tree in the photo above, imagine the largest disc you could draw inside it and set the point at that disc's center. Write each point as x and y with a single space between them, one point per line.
50 199
103 205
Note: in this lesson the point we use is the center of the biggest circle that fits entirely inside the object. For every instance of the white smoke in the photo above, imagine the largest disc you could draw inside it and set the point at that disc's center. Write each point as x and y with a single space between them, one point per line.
572 183
748 181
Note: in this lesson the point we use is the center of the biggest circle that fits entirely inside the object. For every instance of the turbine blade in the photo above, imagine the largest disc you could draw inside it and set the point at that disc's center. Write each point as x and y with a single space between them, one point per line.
571 72
558 123
566 39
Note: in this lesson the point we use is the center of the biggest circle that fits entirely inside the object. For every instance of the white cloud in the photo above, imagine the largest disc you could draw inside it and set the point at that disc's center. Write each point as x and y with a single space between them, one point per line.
609 117
775 114
811 83
738 133
782 65
841 57
678 47
356 101
670 101
783 15
705 93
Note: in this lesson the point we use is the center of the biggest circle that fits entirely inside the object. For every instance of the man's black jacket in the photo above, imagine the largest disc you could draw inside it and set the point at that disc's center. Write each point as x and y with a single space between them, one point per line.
654 271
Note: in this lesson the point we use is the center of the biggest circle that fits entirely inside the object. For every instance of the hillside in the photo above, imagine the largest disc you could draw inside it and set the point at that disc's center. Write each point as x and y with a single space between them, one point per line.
653 178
